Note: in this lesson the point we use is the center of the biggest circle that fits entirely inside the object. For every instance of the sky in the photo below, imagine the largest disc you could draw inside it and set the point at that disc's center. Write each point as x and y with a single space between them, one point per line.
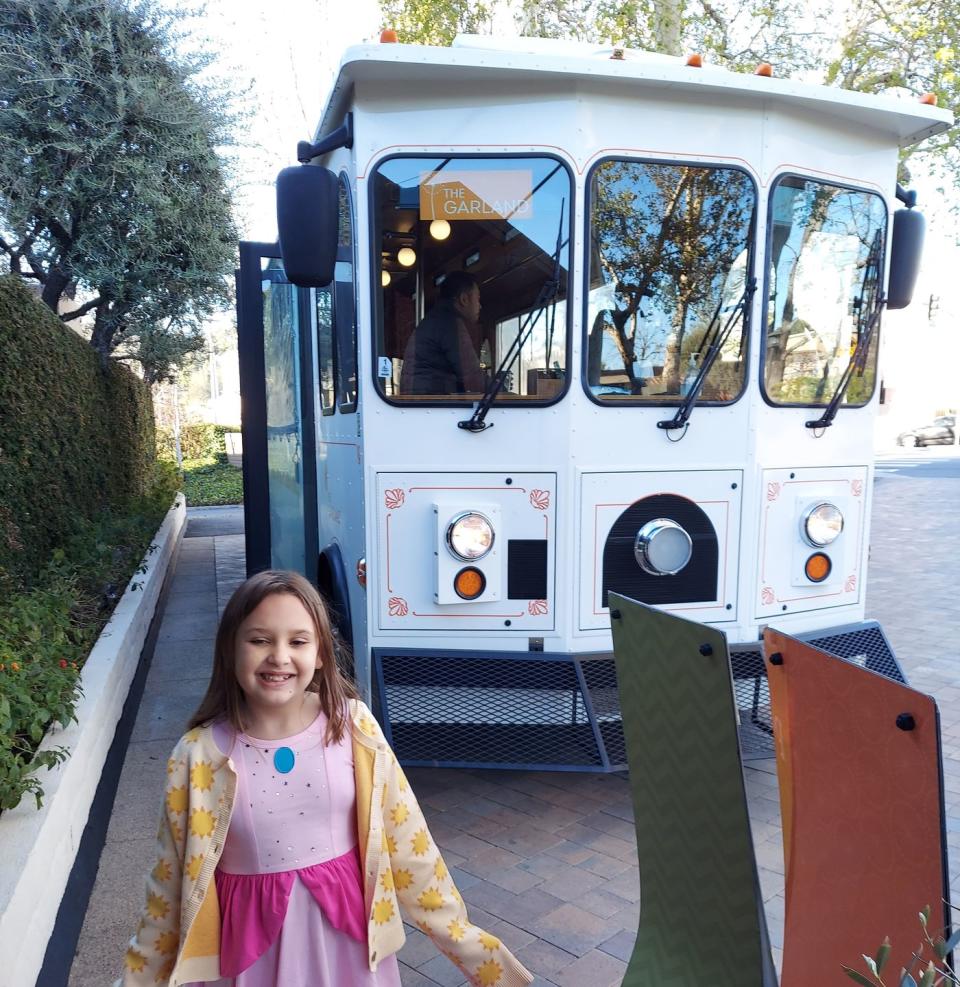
287 52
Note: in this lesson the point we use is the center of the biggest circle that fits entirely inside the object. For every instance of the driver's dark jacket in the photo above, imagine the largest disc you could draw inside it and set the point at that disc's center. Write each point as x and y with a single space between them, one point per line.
440 358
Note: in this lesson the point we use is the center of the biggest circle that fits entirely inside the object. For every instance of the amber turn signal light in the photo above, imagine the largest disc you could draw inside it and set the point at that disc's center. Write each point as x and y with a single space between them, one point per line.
765 69
818 567
388 36
469 583
929 99
695 61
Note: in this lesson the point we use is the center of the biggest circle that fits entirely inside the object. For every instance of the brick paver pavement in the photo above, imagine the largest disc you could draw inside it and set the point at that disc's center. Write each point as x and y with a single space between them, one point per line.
547 861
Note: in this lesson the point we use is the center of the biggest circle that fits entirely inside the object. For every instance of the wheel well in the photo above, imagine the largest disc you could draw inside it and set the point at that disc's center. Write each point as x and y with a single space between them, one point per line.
332 583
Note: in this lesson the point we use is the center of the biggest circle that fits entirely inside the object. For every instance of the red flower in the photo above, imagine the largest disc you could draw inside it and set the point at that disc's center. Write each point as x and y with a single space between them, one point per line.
63 662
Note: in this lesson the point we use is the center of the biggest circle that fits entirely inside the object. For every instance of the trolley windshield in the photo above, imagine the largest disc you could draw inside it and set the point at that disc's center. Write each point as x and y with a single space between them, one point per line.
669 260
826 255
464 247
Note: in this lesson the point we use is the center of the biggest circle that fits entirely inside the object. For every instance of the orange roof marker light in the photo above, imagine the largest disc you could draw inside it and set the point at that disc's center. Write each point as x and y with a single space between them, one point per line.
388 36
695 60
929 99
765 69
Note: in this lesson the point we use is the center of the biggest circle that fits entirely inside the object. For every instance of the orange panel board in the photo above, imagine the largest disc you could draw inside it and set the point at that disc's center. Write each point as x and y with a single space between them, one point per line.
862 805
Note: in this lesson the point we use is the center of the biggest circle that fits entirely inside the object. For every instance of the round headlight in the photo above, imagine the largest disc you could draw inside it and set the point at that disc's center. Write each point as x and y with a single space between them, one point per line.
822 525
662 547
469 536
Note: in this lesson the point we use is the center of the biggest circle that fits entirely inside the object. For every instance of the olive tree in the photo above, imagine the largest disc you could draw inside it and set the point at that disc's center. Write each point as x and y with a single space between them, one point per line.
114 195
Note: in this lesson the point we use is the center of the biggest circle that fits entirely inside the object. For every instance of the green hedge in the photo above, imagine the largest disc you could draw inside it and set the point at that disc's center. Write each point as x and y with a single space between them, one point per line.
75 439
198 440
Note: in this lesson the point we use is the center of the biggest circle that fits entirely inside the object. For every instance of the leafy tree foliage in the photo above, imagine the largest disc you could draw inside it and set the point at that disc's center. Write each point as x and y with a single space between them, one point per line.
872 46
111 186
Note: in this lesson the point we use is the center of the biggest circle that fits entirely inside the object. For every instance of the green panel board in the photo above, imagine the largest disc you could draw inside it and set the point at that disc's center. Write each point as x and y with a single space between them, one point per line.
701 913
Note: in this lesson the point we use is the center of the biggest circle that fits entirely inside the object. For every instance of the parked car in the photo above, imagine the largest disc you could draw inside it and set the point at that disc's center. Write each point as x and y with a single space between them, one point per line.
939 433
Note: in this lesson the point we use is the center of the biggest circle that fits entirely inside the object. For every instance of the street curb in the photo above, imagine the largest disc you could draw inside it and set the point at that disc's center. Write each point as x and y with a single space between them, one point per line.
39 847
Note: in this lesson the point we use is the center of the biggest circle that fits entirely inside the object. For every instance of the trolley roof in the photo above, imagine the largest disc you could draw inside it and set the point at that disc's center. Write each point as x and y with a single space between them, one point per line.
478 60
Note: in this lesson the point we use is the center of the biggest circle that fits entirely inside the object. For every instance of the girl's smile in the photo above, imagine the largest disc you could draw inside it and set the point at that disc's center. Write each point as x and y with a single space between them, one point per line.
277 654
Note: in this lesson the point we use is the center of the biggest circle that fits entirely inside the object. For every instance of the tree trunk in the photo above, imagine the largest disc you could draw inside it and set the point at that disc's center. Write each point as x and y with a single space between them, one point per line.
54 287
103 331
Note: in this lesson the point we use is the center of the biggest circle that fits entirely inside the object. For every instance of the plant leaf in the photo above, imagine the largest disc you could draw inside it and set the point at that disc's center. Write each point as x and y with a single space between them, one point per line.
906 980
883 954
859 977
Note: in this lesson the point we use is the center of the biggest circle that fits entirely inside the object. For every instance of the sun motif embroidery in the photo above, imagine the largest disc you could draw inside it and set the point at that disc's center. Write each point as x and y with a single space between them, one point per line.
157 906
423 927
193 866
383 911
431 900
401 777
135 962
202 822
166 970
440 869
420 843
491 943
456 930
391 844
399 814
171 765
402 879
176 832
191 736
366 725
489 973
177 800
162 872
167 943
201 776
387 880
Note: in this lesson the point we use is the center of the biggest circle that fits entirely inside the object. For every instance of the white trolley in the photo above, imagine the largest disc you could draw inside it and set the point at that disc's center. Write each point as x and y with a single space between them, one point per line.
668 391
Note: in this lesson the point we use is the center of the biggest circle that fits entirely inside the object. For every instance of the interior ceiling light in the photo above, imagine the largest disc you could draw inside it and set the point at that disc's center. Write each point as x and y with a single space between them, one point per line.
439 229
384 278
407 256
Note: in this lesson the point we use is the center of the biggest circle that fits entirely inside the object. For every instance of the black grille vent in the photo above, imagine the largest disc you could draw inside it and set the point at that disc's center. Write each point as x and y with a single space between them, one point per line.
696 583
527 569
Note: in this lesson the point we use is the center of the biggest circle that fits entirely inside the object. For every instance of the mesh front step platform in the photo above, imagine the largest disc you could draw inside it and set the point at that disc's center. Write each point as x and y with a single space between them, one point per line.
864 644
535 710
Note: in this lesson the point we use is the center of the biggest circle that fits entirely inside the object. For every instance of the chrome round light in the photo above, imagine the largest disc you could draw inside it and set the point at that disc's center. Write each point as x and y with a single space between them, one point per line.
822 525
662 547
470 536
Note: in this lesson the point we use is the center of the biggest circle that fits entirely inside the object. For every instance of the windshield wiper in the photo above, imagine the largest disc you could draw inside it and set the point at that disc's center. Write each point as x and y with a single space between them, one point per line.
547 295
720 337
858 360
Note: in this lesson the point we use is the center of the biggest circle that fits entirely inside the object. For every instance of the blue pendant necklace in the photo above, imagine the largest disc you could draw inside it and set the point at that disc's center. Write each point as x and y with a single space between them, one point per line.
284 758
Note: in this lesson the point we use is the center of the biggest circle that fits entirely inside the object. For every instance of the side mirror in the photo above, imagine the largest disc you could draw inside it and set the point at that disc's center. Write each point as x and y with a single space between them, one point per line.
906 248
308 221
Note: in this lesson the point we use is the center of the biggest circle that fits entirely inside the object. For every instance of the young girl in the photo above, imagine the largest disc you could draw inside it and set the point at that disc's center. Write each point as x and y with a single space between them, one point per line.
289 834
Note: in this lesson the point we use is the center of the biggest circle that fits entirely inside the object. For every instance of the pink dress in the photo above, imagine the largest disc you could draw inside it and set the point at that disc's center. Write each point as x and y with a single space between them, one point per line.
289 882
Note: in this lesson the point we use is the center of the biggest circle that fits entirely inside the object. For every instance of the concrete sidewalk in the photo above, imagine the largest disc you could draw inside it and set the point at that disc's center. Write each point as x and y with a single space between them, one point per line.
547 861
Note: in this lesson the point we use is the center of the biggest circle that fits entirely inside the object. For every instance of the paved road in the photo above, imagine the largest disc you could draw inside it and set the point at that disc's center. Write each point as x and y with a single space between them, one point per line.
932 464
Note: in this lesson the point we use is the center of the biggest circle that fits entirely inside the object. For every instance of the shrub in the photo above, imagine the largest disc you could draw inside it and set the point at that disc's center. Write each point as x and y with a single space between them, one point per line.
198 440
76 438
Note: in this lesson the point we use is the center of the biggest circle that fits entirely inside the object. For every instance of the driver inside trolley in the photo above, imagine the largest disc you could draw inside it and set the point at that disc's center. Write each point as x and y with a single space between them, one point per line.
440 356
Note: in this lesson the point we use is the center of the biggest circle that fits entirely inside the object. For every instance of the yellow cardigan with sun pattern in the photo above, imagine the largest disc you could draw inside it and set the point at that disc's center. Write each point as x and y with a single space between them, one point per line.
178 938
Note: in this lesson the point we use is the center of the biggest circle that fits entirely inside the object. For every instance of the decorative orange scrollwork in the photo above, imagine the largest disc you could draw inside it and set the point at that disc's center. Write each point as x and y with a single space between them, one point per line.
767 595
850 585
398 606
773 491
856 487
394 498
537 607
540 499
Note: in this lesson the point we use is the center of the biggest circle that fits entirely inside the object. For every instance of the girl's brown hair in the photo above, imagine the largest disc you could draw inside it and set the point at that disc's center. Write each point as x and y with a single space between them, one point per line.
224 696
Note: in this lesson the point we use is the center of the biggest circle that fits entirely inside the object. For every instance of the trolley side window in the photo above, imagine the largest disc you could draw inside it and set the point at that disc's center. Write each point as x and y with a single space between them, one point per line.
345 308
670 260
325 358
825 248
471 256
